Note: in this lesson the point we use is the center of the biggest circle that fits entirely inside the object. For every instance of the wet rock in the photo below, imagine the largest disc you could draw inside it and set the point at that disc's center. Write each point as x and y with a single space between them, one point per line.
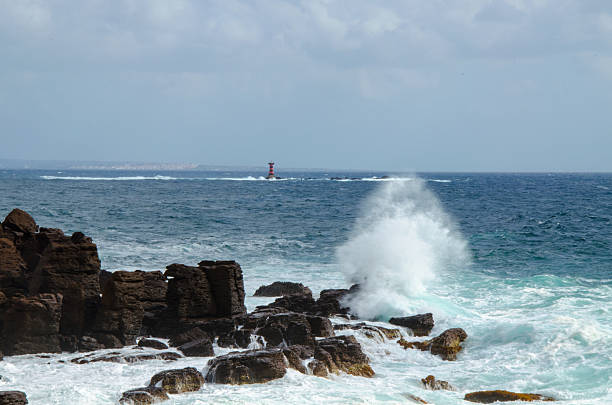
320 326
371 331
300 303
152 343
177 381
12 268
293 357
287 329
31 324
318 368
431 383
20 221
249 367
425 345
330 302
144 396
280 288
13 398
121 312
420 325
116 357
448 343
344 353
488 397
414 398
198 348
188 336
89 344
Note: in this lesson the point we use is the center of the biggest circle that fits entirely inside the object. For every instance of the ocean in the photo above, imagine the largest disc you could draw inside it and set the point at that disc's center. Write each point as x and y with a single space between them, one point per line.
521 262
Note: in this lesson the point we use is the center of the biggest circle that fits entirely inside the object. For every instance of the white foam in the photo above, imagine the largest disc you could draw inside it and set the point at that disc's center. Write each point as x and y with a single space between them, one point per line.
401 239
122 178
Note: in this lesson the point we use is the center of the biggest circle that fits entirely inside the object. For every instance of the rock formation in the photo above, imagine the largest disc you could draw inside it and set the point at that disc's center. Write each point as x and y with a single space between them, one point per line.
280 288
420 325
488 397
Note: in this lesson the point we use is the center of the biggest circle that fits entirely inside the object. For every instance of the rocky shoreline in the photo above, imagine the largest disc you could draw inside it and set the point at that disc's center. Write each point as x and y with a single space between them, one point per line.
54 297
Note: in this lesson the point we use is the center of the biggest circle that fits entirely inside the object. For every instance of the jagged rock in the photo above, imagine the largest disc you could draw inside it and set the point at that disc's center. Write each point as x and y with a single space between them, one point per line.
144 396
420 325
121 312
448 343
198 348
12 268
226 279
431 383
248 367
330 301
288 328
31 324
69 266
488 397
152 343
318 368
343 353
116 357
180 380
320 326
238 338
103 277
188 336
153 300
13 398
89 344
293 357
20 221
301 303
280 288
371 331
425 345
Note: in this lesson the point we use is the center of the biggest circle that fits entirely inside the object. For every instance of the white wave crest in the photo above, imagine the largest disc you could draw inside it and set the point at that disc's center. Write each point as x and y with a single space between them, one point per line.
129 178
402 238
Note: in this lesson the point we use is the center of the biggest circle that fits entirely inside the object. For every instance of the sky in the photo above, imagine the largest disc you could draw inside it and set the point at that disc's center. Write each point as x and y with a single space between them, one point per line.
436 85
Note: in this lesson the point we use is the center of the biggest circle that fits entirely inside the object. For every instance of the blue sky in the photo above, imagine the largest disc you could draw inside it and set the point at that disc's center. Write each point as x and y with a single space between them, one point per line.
499 85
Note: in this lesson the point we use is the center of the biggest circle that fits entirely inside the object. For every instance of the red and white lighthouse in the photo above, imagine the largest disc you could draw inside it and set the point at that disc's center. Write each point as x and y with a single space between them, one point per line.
271 171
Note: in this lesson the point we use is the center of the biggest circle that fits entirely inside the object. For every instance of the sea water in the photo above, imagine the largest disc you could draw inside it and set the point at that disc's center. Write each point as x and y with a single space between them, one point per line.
521 262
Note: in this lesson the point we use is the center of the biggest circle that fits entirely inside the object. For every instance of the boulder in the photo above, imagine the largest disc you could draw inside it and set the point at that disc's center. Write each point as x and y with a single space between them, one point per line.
425 345
286 329
248 367
488 397
420 325
198 348
177 381
371 331
152 343
225 277
320 326
280 288
343 353
448 343
431 383
317 368
121 312
31 324
188 336
330 302
189 293
13 398
144 396
19 221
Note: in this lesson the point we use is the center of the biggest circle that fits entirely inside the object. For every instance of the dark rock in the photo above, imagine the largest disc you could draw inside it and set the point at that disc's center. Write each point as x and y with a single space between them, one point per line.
31 324
12 268
153 300
155 344
180 380
293 357
116 357
226 279
20 221
301 303
431 383
89 344
198 348
144 396
13 398
68 266
448 343
280 288
488 397
345 354
425 345
188 336
248 367
330 302
320 326
303 352
121 312
286 329
420 325
103 277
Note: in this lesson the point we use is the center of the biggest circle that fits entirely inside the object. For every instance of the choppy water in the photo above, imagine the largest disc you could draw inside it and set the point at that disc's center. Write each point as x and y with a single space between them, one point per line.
522 262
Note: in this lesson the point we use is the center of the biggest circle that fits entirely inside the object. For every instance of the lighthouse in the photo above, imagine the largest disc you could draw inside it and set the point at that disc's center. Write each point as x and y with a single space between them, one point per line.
271 171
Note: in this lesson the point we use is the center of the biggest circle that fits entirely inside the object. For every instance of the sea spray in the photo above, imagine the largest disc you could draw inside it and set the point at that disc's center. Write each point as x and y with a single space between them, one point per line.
400 241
